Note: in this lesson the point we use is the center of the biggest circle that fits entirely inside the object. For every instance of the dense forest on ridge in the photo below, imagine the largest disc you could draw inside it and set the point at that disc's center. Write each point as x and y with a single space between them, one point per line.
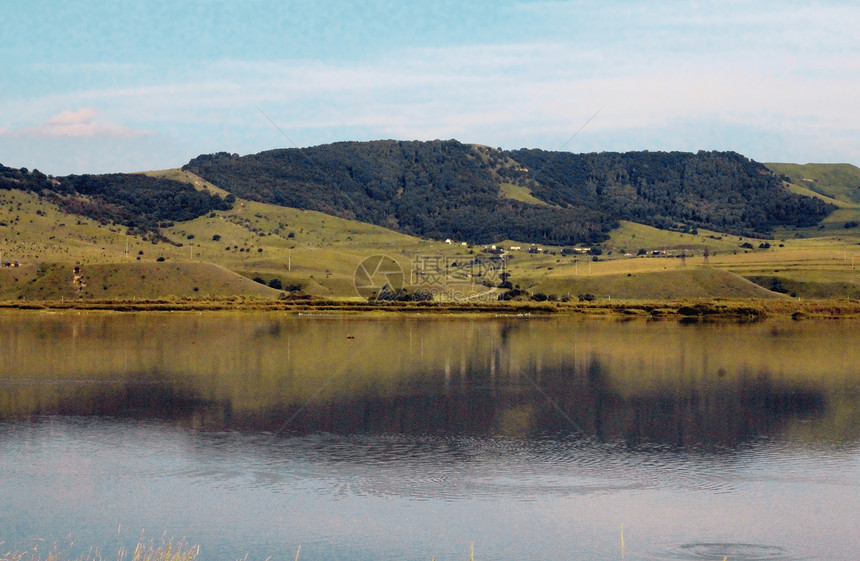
433 189
722 191
446 189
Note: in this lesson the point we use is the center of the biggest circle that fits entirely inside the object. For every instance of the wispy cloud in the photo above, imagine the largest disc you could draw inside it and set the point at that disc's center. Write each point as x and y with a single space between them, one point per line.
82 123
769 82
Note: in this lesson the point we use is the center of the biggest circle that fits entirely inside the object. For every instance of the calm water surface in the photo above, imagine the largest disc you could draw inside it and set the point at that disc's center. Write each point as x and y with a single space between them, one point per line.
416 438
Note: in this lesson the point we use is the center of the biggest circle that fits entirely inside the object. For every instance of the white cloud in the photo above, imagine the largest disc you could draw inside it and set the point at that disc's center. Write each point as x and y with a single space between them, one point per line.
80 123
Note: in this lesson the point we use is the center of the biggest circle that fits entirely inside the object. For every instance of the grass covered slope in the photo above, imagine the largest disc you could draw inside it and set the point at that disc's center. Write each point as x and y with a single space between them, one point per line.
693 282
126 281
838 181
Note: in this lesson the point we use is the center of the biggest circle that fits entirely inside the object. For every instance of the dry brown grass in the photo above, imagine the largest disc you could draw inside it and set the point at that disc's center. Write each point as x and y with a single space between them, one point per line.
145 551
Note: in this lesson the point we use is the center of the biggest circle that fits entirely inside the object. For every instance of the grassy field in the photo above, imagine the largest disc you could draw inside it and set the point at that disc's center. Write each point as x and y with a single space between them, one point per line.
217 255
520 193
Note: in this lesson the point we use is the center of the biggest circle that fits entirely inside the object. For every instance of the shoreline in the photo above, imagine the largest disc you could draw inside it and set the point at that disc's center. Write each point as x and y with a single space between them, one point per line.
687 310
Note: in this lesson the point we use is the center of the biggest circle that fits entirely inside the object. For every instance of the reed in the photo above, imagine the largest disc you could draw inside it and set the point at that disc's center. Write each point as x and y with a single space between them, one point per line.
168 552
144 551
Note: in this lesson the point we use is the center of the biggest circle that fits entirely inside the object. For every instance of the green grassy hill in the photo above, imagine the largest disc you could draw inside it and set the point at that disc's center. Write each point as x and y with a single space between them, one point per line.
838 181
692 282
838 184
126 281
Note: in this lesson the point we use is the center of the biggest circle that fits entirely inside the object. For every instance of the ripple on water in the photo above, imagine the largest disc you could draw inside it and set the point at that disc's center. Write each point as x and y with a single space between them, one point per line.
717 551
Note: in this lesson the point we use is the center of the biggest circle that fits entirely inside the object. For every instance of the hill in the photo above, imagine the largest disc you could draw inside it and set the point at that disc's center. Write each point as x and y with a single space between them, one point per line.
440 190
720 191
219 250
445 189
140 202
691 282
836 181
127 281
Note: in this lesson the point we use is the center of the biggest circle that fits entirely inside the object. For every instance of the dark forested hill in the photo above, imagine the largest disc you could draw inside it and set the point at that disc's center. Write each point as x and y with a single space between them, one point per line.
438 189
722 191
445 189
134 200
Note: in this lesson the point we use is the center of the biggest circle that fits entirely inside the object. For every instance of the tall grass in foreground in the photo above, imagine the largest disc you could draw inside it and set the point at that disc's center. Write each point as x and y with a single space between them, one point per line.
170 551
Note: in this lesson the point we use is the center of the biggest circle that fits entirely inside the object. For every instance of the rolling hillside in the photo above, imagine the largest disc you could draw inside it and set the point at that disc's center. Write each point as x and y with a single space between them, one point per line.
126 281
221 251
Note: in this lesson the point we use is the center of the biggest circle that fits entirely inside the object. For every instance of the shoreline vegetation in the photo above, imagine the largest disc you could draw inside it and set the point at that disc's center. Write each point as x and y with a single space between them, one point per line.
144 551
686 310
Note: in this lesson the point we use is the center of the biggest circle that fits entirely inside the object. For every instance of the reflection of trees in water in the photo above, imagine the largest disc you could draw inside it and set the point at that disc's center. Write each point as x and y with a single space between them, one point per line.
636 384
568 401
715 413
535 401
140 395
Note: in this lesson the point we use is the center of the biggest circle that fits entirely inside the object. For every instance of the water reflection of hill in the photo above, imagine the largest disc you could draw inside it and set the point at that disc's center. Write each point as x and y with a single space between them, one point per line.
570 403
639 383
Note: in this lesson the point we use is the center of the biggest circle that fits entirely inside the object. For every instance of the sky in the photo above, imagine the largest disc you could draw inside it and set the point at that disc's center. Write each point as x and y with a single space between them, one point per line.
96 86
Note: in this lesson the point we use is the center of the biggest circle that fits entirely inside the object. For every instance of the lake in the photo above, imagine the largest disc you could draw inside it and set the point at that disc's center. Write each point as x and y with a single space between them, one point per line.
497 438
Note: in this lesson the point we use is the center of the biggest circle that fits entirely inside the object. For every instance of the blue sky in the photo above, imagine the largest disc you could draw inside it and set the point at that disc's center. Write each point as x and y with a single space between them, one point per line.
99 86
